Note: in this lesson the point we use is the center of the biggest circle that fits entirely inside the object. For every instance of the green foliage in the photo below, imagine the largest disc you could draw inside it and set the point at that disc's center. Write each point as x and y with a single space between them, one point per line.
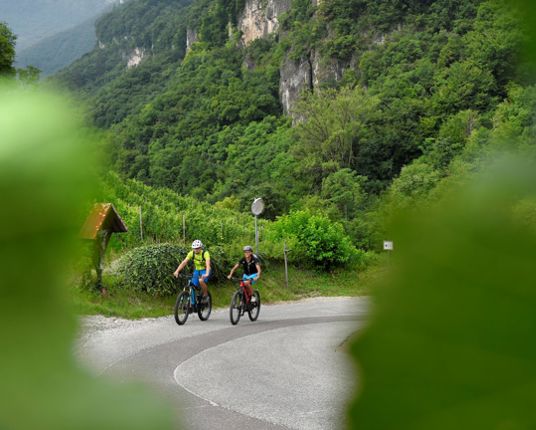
343 189
150 268
29 75
451 139
44 181
163 212
415 182
183 139
7 50
408 96
456 307
337 132
314 238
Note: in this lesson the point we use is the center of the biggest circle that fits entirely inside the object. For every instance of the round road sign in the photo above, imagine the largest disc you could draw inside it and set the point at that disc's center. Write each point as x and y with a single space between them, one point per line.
257 207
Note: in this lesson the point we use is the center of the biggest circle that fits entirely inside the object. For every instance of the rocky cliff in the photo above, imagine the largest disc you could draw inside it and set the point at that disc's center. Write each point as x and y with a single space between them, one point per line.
306 74
261 18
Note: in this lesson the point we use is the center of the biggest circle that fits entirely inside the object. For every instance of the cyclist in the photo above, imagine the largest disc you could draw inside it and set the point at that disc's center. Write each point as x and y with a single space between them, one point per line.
251 267
201 259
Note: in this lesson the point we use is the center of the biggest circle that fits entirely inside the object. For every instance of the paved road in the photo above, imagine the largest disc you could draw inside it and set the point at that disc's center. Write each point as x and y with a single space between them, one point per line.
285 371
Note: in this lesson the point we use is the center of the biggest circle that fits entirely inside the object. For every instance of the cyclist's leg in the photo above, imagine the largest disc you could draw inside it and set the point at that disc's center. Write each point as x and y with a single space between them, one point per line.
195 281
248 282
203 283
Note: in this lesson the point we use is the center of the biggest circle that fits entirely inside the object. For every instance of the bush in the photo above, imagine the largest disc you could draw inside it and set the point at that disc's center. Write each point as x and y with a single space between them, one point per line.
150 268
314 240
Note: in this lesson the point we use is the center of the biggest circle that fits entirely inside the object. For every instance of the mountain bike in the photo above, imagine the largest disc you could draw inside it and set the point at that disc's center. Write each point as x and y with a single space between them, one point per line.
190 300
241 303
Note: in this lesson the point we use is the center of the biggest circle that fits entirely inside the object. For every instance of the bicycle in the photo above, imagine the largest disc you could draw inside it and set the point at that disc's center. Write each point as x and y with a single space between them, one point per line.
190 300
242 303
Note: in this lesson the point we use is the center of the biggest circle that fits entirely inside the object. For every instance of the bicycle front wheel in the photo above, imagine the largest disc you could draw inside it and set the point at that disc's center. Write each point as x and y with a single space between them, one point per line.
235 310
182 308
205 308
254 306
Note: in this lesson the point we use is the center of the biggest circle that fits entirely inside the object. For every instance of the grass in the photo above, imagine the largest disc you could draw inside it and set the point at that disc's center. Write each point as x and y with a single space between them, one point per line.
125 303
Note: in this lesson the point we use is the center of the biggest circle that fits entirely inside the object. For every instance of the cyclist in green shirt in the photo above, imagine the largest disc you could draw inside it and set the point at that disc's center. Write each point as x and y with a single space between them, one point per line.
202 272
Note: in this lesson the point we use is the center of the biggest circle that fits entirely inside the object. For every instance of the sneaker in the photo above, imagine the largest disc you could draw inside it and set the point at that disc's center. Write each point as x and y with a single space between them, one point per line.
253 300
204 300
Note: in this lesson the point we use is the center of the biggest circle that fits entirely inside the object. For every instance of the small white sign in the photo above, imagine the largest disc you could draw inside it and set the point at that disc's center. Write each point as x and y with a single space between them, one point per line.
388 245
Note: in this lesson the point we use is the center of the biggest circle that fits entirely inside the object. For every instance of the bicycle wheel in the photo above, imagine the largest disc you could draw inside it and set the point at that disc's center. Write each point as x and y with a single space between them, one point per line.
255 308
235 309
182 308
204 309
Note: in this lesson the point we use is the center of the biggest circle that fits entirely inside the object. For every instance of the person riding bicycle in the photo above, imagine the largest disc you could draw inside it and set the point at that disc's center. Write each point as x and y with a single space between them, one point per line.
251 267
201 259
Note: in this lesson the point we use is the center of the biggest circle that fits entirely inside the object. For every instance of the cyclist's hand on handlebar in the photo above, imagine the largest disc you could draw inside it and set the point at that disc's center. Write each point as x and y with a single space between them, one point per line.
229 277
176 274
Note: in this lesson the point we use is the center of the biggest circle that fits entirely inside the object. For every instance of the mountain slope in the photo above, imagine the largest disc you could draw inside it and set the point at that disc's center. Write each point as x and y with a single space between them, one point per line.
58 51
33 21
311 106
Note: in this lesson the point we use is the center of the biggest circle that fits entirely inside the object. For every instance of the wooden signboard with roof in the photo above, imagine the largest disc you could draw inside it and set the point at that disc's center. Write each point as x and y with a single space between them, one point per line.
101 223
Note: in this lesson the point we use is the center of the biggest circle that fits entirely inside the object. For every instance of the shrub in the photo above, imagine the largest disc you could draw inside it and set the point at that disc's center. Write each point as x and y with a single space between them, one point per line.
314 239
150 268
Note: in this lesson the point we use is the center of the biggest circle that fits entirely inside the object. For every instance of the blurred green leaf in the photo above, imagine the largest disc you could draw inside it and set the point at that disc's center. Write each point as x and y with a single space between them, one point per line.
45 178
449 343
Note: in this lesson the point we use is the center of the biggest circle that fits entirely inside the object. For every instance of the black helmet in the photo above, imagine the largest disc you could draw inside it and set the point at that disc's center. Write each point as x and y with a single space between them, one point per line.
248 248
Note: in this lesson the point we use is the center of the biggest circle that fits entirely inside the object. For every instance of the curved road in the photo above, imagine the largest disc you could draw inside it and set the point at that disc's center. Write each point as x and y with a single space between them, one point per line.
285 371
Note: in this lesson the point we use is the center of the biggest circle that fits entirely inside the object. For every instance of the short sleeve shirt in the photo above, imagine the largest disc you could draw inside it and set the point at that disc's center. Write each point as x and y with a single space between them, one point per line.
199 261
249 268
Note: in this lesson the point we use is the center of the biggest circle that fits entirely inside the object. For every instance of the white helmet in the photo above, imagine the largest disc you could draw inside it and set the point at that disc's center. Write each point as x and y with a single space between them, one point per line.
197 244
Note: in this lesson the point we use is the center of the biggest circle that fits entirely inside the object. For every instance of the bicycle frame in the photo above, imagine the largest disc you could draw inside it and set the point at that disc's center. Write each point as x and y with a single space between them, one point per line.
193 291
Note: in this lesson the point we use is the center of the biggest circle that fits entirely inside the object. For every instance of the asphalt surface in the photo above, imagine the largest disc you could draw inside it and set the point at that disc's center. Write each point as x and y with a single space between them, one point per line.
285 371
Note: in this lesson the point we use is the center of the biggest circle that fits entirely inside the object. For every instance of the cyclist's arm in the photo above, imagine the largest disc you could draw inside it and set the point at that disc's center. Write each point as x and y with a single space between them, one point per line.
236 266
258 266
208 270
181 266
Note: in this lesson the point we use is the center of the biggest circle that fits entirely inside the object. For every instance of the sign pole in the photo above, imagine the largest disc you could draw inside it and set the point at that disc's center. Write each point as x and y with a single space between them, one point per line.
257 208
256 236
286 263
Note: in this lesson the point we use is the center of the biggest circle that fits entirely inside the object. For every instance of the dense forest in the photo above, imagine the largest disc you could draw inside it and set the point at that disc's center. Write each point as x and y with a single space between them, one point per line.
423 85
397 100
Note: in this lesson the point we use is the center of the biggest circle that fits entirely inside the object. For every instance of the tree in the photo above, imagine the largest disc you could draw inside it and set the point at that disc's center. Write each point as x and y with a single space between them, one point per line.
29 75
7 50
343 189
335 129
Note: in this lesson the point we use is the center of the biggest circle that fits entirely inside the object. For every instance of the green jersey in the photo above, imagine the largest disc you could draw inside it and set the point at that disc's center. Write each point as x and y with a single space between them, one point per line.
199 259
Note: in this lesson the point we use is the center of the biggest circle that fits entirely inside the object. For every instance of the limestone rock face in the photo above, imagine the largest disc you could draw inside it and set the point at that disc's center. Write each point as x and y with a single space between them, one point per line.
306 74
135 57
261 18
191 38
296 77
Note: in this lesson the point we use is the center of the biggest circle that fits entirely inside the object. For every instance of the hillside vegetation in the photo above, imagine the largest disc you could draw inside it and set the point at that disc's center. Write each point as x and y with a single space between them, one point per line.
425 88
